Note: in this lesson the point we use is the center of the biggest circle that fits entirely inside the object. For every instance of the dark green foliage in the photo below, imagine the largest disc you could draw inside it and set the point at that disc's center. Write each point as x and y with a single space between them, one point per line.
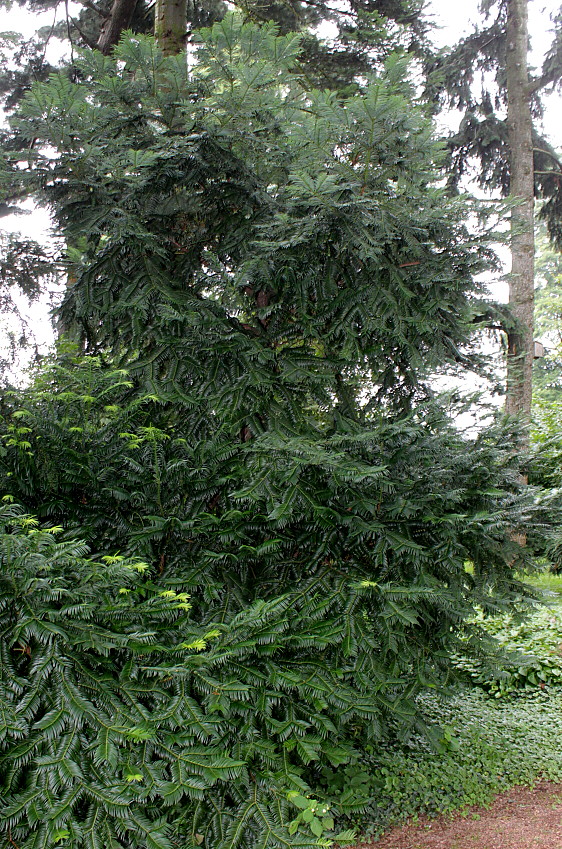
119 723
367 35
262 279
396 498
546 467
25 264
305 645
547 377
128 718
22 62
284 237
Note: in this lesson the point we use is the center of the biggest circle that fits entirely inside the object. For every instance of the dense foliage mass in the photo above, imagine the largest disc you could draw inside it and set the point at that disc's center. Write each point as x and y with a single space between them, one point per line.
260 279
294 660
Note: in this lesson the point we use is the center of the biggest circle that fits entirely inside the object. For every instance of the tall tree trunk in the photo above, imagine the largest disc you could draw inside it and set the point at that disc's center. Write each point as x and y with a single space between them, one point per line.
119 19
170 25
521 284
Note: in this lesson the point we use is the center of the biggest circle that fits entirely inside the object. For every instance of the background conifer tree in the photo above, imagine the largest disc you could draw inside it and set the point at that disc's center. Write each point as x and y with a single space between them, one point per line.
497 134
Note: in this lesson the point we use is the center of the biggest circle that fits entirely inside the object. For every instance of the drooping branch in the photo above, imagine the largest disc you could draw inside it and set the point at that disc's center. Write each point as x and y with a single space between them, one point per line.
87 41
550 155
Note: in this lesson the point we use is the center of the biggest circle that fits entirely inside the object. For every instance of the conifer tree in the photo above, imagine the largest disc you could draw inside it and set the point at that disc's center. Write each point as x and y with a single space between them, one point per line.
366 34
263 278
511 157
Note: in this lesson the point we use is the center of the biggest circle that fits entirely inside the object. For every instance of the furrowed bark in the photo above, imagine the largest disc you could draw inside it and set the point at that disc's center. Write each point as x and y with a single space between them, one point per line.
119 19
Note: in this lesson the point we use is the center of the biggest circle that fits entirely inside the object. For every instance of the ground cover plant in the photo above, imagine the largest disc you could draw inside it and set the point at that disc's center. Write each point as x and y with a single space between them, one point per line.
501 730
485 748
527 649
528 654
261 280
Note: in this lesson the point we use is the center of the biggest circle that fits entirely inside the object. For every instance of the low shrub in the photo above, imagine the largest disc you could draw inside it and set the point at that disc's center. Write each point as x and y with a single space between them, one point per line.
122 718
528 656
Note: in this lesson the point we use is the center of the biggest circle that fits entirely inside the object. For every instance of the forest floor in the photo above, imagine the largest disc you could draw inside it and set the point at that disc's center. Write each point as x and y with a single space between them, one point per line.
521 818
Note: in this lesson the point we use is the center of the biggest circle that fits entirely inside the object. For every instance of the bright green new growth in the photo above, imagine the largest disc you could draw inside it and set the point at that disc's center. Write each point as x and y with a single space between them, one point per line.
243 256
107 724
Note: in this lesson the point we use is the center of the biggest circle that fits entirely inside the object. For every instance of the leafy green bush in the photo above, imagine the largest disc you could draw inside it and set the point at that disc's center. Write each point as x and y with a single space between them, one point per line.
253 255
123 721
528 654
116 705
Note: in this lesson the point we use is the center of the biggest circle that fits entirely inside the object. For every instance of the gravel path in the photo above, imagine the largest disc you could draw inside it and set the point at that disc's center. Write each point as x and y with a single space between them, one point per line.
518 819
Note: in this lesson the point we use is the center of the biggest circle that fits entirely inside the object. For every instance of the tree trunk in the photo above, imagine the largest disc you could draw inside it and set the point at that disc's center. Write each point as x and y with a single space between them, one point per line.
119 19
521 283
170 25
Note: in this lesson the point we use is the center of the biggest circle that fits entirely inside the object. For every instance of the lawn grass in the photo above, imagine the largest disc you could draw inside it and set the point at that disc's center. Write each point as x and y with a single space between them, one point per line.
547 581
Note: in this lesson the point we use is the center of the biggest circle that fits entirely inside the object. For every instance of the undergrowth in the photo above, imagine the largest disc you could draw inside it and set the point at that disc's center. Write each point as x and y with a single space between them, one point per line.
503 729
485 748
528 654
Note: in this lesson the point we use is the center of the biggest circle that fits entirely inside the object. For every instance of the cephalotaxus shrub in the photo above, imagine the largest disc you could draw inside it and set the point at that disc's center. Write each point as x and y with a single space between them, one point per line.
276 271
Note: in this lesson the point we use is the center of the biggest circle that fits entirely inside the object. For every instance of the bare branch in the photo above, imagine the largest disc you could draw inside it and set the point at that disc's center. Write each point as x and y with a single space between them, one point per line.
87 41
118 20
89 5
553 76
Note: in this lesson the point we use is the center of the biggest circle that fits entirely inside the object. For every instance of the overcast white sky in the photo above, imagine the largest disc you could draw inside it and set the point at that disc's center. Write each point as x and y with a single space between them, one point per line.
456 17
